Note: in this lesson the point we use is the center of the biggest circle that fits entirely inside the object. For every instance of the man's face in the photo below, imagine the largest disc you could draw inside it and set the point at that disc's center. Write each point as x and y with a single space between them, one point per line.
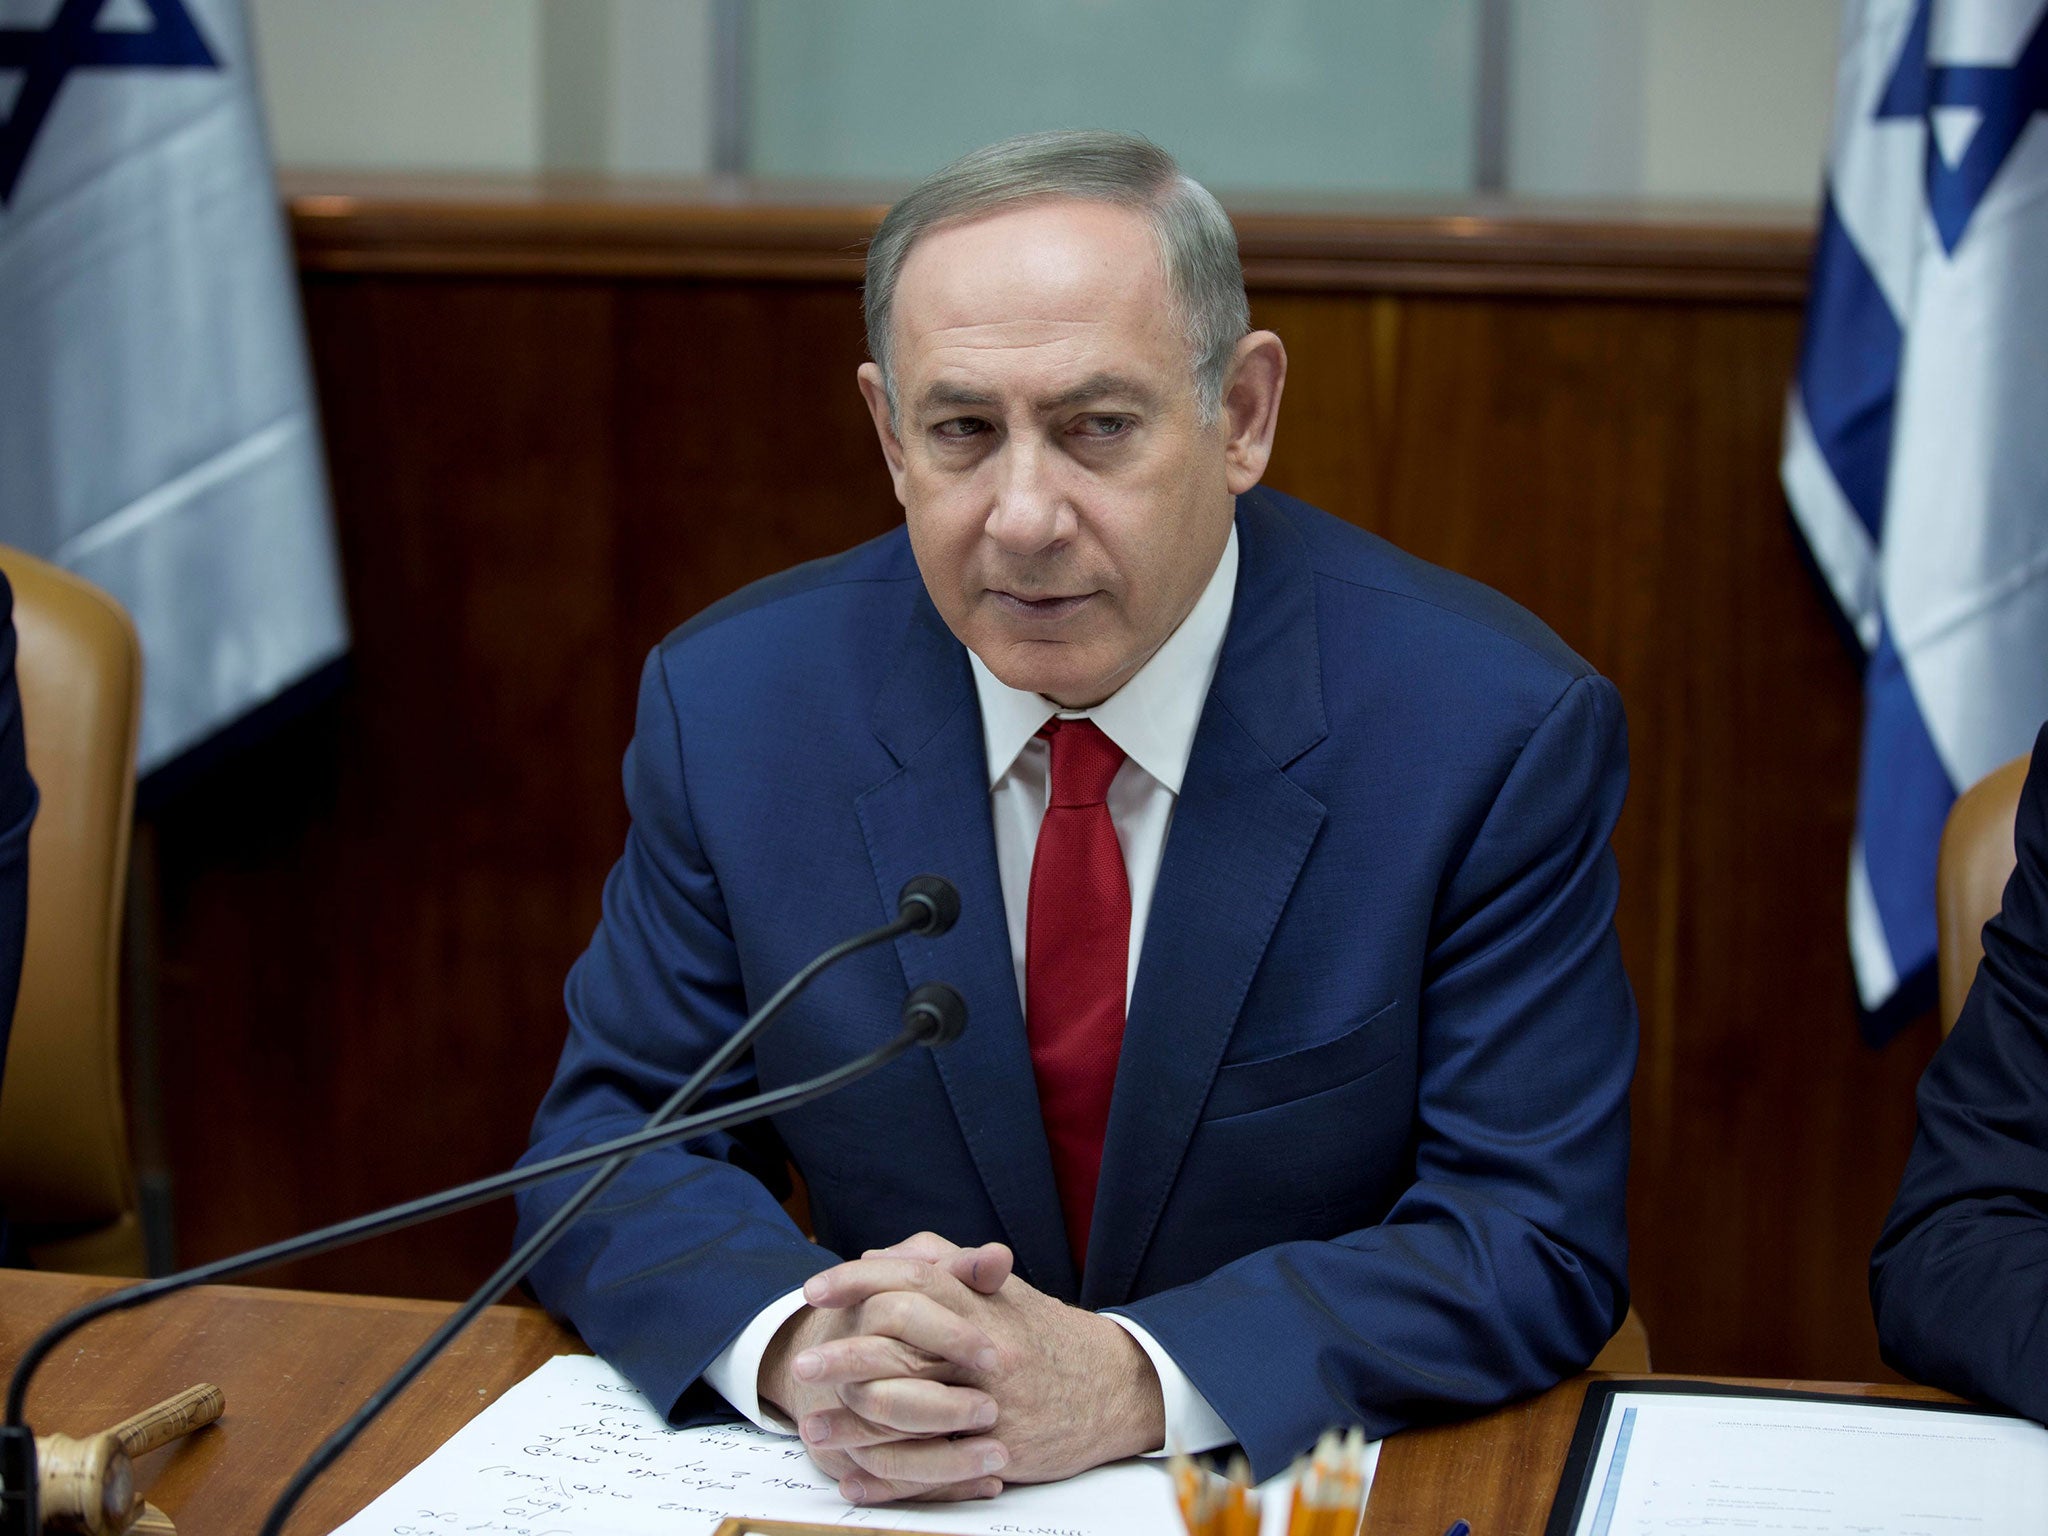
1066 503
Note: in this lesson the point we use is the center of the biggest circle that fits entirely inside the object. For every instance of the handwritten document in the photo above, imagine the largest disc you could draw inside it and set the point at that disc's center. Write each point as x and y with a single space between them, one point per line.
574 1450
1679 1462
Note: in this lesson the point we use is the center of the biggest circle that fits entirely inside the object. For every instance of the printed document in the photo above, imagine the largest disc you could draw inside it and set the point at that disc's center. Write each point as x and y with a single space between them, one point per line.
574 1450
1680 1462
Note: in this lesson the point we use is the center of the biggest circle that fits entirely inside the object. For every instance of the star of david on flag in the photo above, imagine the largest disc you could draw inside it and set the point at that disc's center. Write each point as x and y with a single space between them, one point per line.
157 433
78 38
1916 442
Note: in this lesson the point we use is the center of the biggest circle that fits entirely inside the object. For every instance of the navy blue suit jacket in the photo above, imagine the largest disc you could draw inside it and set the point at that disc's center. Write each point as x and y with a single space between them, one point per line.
1960 1277
18 801
1369 1136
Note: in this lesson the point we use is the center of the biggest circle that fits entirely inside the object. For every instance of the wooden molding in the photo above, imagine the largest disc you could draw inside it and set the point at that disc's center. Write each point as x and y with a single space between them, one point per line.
353 223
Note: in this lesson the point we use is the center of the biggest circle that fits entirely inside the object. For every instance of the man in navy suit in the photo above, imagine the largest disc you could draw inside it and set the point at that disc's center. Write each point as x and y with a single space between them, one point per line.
1295 1089
1960 1276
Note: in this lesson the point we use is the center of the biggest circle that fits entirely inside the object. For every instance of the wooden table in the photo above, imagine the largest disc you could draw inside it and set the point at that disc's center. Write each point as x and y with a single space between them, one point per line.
292 1364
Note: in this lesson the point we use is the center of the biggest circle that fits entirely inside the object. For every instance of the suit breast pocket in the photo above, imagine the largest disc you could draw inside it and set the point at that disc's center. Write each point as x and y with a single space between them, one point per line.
1244 1087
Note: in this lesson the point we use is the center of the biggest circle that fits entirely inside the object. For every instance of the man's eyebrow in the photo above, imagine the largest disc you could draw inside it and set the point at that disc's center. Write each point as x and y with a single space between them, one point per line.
1098 386
954 394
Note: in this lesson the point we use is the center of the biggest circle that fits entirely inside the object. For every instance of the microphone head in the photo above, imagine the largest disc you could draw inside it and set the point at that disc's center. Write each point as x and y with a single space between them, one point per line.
935 1013
934 898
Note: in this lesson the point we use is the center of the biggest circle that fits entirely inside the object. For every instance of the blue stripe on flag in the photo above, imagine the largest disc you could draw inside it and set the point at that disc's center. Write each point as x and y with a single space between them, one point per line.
1905 798
1849 369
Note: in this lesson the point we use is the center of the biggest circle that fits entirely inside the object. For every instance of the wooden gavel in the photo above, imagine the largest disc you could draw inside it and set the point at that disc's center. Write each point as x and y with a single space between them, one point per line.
88 1485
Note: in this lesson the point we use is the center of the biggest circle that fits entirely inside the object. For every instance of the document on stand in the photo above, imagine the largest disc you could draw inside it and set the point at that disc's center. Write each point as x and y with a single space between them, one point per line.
1671 1461
574 1450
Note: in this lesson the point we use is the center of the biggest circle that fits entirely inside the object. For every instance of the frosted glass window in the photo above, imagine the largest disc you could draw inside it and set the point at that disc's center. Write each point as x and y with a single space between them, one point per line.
1287 95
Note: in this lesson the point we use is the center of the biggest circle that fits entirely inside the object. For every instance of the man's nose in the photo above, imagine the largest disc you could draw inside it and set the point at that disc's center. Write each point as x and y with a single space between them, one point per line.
1029 512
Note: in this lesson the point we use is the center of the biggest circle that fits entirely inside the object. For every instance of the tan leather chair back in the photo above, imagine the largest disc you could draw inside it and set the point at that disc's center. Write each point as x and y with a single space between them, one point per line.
1977 859
1628 1352
65 1172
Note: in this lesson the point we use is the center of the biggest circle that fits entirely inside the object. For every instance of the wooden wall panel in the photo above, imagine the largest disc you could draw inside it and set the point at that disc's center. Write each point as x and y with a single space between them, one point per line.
547 450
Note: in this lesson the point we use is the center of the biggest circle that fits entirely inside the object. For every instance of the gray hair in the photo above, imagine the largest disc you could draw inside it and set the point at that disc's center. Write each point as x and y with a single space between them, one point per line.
1197 245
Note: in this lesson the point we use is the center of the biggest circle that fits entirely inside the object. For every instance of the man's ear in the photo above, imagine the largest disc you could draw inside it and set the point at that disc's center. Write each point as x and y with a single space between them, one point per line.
877 397
1251 408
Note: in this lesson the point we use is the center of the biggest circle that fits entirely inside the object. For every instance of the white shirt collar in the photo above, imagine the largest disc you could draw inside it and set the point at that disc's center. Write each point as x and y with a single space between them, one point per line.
1152 717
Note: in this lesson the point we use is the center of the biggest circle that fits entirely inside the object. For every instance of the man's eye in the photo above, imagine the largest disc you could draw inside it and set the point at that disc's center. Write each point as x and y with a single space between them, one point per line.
960 426
1105 426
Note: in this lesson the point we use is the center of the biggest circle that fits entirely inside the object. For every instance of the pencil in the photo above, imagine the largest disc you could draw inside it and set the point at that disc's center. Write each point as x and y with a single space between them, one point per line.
1322 1484
1187 1487
1196 1512
1298 1517
1350 1502
1248 1499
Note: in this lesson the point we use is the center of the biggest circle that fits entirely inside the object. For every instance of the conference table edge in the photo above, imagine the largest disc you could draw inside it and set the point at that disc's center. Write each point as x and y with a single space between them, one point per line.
1498 1470
326 1351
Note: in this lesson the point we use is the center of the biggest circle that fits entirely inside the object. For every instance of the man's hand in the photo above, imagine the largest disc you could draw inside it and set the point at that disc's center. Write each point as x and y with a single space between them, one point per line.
1072 1389
875 1387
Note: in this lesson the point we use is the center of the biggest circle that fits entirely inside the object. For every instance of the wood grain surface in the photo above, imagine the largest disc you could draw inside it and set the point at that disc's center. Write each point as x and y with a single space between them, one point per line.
579 227
293 1362
292 1365
542 464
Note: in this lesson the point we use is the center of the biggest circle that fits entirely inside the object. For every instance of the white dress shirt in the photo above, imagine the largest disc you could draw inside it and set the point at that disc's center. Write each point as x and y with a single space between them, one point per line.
1153 719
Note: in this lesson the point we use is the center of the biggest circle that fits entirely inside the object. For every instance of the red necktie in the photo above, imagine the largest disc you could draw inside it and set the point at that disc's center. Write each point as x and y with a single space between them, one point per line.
1076 957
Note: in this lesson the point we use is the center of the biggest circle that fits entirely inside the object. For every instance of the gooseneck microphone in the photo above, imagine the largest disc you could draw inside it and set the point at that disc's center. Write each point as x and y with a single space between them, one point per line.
937 1011
934 1014
934 896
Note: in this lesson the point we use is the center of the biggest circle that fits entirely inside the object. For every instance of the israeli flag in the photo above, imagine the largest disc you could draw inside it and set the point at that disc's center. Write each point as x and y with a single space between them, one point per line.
1916 444
157 433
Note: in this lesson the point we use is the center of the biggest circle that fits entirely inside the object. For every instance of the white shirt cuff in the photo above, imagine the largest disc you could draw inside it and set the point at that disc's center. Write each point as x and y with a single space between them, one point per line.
1192 1426
736 1374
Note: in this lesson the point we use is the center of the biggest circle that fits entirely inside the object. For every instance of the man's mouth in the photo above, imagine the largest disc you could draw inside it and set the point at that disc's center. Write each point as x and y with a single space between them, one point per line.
1041 608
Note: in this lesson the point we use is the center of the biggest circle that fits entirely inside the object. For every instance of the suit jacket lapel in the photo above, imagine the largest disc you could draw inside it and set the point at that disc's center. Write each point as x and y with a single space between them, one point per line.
1241 832
932 817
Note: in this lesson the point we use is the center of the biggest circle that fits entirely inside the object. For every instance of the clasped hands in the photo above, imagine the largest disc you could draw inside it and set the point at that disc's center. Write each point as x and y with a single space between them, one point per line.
928 1371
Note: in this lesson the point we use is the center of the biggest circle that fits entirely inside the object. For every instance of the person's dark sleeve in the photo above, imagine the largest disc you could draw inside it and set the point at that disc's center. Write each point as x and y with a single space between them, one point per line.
1502 1269
686 1246
1959 1280
17 813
